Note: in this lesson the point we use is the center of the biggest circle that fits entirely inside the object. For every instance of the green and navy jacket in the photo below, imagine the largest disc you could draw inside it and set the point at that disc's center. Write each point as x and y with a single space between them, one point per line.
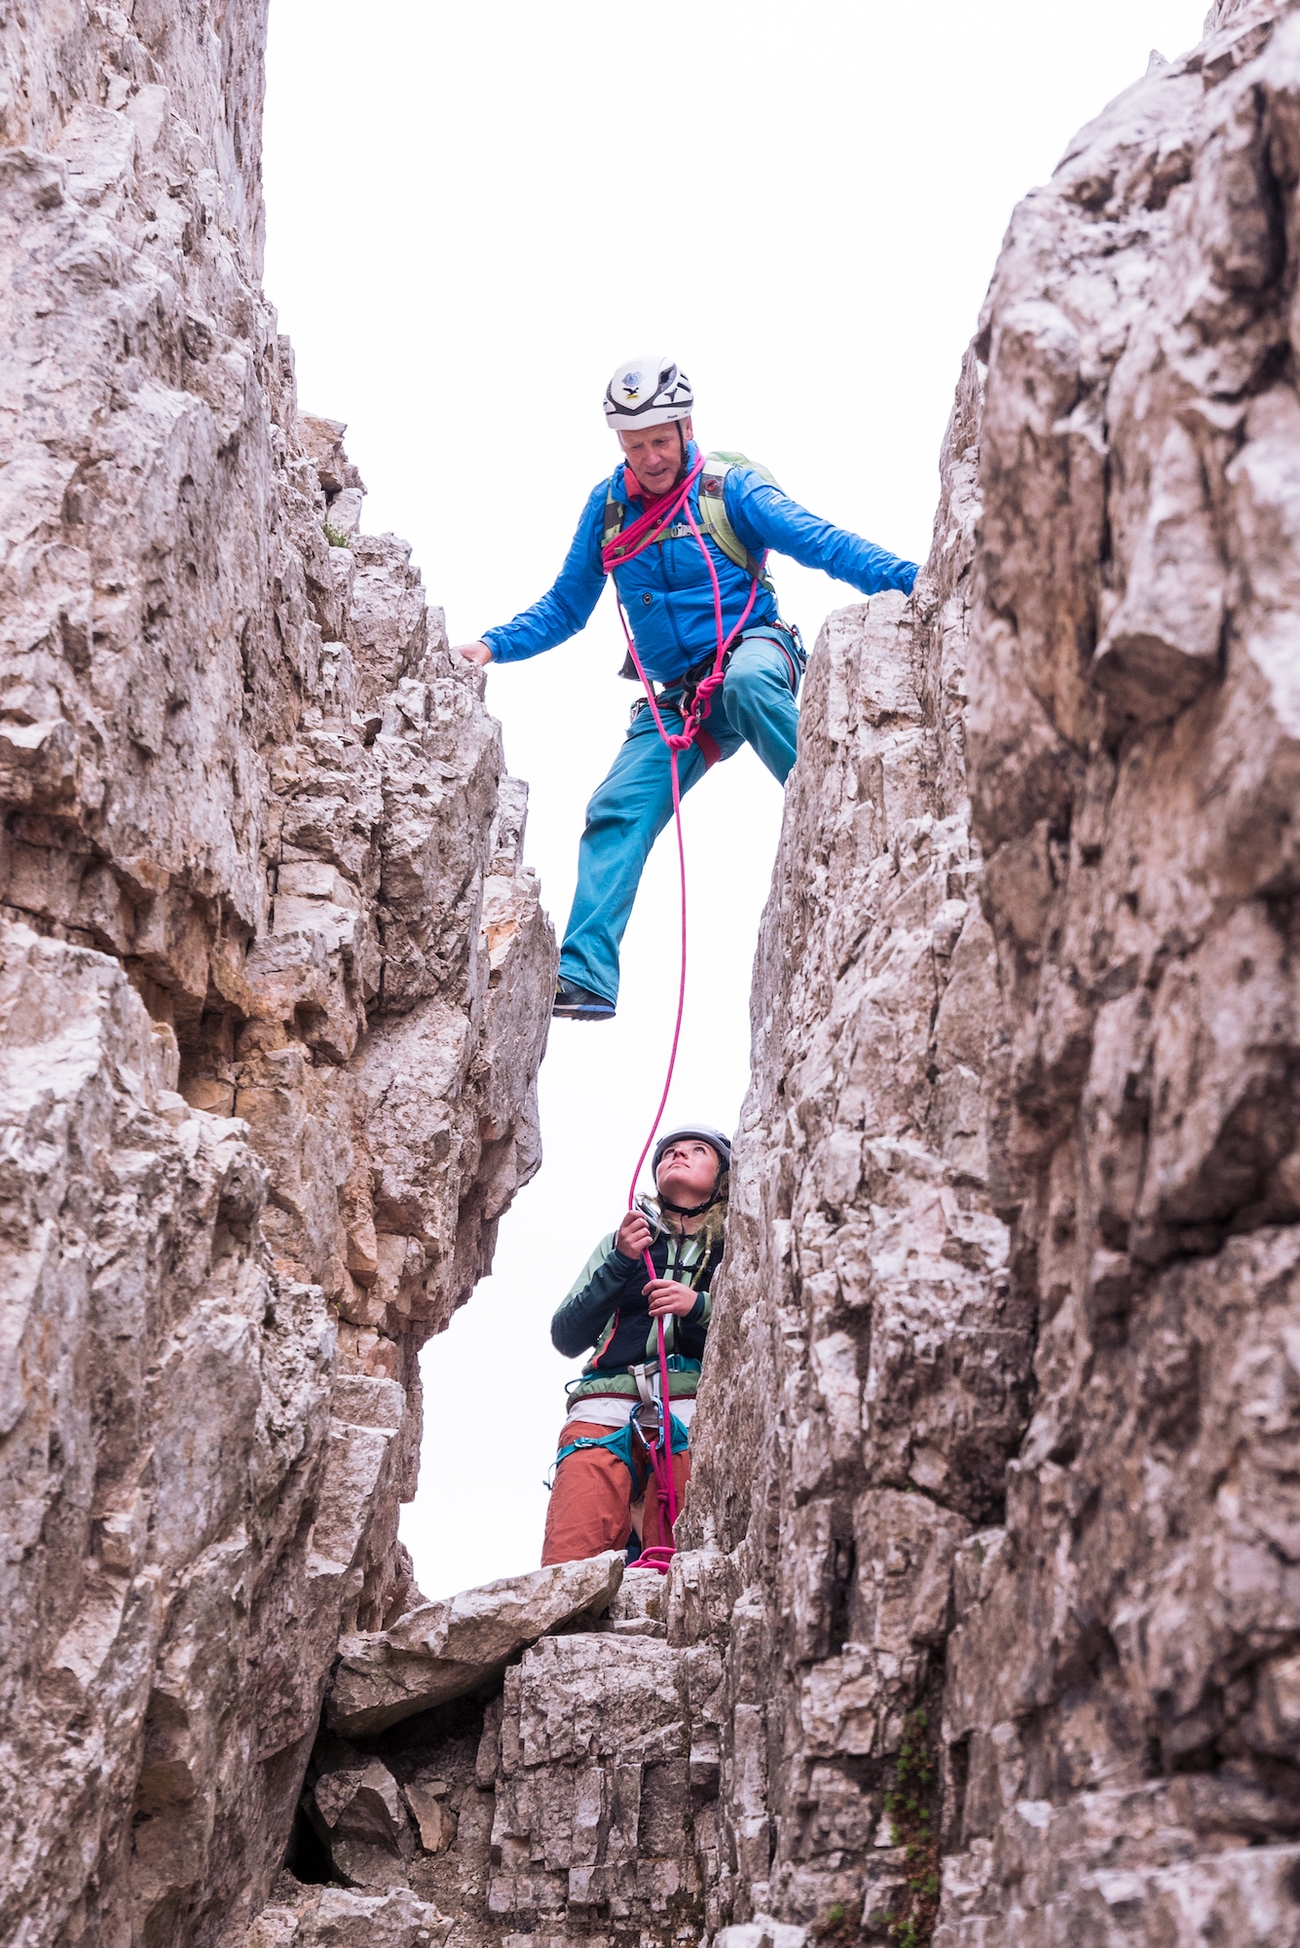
605 1310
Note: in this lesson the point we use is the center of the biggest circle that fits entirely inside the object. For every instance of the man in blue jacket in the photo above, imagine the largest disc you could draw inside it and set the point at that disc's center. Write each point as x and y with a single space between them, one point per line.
668 595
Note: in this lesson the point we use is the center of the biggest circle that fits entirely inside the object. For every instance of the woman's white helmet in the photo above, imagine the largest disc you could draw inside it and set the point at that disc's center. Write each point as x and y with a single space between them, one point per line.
647 391
703 1133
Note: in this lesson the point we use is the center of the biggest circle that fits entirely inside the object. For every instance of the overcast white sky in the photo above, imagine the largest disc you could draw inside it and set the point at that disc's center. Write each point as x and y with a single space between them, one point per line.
474 212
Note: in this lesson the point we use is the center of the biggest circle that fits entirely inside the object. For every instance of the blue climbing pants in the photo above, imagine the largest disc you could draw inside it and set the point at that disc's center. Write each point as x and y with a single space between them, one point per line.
756 706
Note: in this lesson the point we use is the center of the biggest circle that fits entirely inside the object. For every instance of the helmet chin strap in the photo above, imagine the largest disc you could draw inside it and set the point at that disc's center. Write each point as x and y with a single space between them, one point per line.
688 1210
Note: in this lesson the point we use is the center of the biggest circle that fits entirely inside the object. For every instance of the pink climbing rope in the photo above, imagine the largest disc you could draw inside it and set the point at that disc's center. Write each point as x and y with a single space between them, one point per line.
625 547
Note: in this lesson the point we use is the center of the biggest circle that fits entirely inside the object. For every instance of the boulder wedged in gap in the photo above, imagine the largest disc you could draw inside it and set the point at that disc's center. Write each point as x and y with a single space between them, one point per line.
445 1649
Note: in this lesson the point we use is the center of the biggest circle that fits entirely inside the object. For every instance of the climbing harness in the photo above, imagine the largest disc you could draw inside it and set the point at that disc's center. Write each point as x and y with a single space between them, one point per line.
680 694
620 1443
620 546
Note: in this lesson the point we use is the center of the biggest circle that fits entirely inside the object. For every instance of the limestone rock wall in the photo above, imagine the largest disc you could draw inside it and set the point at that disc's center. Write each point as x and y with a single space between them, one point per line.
1117 1680
273 992
870 1366
996 1453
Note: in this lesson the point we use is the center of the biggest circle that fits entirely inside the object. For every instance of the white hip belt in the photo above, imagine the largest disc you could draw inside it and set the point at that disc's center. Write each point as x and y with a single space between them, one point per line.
615 1409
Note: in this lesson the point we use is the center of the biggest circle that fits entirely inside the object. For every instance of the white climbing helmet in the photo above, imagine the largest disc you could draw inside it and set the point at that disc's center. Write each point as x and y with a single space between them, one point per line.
703 1133
647 391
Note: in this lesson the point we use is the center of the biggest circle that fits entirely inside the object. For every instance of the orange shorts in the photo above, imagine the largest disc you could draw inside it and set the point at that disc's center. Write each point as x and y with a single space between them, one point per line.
592 1496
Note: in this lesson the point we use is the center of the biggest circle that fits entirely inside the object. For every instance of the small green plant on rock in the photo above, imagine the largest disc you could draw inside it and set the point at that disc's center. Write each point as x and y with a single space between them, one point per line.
335 537
909 1807
839 1929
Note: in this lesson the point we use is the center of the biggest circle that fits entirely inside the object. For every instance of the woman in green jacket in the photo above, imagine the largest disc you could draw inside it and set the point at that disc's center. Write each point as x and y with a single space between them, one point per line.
603 1464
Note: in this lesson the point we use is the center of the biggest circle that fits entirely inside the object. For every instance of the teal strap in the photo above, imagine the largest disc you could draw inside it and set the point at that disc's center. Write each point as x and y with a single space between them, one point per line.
620 1443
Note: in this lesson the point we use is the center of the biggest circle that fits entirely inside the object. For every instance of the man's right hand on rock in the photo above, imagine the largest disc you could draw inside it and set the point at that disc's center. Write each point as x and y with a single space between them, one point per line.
473 653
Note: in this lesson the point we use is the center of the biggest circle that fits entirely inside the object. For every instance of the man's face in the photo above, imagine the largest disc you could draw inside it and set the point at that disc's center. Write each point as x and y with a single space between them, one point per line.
688 1170
656 454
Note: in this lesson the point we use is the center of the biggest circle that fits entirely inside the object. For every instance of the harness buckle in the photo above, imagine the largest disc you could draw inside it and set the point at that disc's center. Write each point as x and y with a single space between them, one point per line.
647 1417
647 1423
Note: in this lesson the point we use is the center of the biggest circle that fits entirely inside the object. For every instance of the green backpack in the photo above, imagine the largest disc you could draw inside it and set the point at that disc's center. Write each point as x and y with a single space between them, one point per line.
713 514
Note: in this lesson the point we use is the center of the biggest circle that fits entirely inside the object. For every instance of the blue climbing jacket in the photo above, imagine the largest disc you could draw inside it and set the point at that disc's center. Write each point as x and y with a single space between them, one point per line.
666 590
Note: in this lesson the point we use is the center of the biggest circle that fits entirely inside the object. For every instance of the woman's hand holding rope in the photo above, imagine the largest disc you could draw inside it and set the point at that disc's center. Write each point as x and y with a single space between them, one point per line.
633 1236
667 1295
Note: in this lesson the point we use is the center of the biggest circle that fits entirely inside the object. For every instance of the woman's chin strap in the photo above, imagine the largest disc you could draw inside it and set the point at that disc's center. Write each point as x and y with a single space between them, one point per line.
690 1210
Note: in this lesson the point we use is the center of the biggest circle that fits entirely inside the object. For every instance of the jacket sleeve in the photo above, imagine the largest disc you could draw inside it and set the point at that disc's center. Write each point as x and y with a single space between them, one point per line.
764 517
597 1292
567 604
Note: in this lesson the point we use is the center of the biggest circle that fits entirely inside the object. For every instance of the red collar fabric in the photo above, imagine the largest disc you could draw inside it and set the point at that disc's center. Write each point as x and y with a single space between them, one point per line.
635 491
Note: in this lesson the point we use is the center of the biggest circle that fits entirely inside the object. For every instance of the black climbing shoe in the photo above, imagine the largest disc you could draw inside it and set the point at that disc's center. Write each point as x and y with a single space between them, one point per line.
573 1003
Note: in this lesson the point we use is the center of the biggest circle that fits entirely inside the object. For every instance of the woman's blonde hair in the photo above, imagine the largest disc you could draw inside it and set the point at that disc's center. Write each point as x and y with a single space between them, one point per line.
715 1218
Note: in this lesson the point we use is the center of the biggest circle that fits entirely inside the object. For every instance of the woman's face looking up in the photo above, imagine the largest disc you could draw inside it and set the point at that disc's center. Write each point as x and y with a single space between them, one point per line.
688 1171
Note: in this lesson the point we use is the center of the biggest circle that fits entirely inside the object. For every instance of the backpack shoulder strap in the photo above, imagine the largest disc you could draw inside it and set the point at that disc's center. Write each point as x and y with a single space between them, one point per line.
611 526
615 514
713 511
721 463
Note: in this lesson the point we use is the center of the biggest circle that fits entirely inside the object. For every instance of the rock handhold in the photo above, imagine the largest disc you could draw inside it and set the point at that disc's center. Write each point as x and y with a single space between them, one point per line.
762 1932
637 1610
361 1802
426 1797
344 1918
442 1650
356 1809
